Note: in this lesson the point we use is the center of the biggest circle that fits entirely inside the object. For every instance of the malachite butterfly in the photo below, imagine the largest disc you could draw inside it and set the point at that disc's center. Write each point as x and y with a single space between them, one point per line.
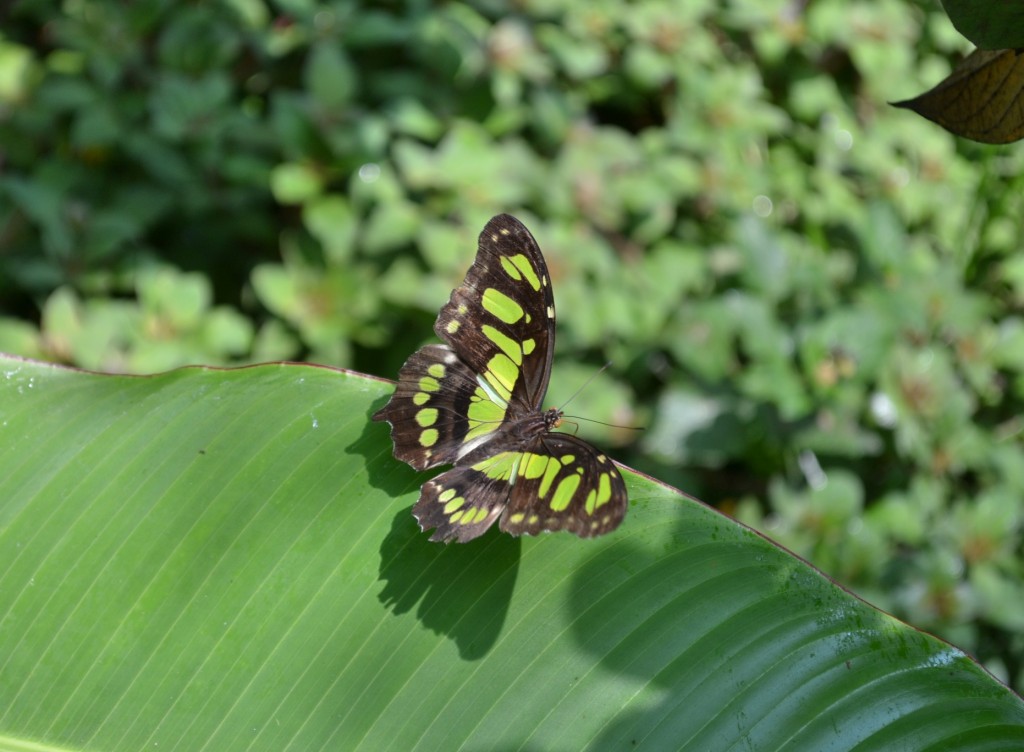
475 403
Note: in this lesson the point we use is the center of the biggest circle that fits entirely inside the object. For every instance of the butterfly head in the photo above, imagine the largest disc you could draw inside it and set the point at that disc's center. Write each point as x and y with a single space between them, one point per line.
552 418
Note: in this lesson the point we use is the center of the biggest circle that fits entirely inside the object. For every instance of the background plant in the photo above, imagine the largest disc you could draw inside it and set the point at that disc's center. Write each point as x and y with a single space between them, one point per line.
811 300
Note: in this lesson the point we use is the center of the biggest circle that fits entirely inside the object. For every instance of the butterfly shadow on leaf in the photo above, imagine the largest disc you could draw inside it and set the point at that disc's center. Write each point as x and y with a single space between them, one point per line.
459 590
462 591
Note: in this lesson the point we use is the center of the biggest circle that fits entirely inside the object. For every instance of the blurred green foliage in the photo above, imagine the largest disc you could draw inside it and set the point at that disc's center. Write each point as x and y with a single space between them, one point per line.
811 300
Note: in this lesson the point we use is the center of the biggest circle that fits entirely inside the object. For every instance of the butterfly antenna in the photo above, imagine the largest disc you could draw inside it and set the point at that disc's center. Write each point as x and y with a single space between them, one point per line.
586 383
601 422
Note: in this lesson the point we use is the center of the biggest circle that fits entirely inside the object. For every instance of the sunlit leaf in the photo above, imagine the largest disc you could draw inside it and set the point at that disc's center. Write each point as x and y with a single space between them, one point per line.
225 560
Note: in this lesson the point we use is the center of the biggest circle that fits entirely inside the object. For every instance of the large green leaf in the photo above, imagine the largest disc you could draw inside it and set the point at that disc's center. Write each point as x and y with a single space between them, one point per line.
225 559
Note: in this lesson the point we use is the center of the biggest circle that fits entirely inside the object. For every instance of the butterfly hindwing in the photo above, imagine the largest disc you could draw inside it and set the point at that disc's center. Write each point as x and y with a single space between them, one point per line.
565 484
501 319
460 504
438 409
562 483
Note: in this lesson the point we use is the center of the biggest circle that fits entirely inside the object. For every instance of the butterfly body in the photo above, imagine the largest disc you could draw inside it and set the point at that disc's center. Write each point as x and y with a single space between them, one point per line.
475 403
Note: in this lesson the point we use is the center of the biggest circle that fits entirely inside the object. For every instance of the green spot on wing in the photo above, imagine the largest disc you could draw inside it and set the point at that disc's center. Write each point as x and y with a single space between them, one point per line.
604 489
527 269
453 504
508 345
501 305
550 473
510 268
484 415
564 492
504 370
502 466
536 464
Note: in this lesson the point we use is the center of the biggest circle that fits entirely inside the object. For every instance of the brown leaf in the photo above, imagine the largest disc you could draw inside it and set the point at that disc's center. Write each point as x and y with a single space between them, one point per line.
982 99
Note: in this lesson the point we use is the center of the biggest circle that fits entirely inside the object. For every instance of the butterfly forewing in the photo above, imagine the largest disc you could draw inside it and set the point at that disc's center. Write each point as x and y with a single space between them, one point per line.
439 410
501 320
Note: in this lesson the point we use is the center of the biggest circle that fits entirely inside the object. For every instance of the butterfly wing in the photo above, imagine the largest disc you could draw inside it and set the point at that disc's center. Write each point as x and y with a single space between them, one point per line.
565 484
475 403
562 483
439 411
501 320
461 504
499 325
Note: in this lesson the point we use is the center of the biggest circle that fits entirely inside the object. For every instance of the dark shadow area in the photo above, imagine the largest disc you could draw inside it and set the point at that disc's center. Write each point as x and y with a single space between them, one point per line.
462 590
459 590
383 471
615 573
665 617
661 630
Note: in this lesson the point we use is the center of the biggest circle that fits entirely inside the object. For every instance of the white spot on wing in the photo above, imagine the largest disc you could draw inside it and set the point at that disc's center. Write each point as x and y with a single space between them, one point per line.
491 394
515 470
469 446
